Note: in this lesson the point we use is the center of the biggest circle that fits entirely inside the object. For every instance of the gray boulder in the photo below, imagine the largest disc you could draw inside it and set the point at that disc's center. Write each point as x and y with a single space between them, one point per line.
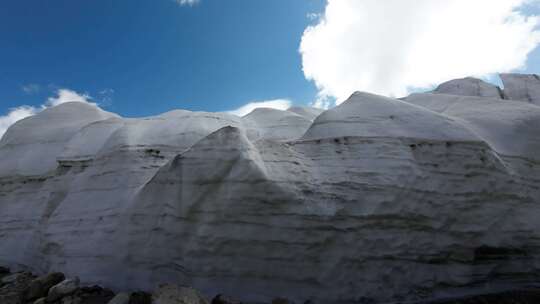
4 270
140 297
62 289
282 301
16 277
72 299
174 294
40 287
223 299
121 298
14 287
94 295
40 301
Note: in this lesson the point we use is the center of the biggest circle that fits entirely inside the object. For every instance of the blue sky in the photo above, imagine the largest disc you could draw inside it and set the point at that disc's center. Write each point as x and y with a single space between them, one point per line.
155 55
145 57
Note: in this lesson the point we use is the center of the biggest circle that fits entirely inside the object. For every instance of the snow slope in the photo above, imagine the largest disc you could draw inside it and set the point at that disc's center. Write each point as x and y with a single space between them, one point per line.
377 199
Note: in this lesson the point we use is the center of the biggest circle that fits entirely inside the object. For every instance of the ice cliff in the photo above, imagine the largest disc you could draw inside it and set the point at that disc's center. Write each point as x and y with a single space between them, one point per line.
376 199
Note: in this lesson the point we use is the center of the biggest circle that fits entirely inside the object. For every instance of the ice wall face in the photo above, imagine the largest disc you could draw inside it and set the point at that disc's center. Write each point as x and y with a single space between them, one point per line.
522 87
377 198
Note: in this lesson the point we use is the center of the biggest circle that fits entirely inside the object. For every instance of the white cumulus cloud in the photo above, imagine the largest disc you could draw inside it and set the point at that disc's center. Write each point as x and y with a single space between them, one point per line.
15 115
393 46
18 113
278 104
66 95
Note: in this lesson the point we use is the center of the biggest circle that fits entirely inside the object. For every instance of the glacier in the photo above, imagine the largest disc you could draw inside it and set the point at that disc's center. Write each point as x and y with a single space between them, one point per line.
378 199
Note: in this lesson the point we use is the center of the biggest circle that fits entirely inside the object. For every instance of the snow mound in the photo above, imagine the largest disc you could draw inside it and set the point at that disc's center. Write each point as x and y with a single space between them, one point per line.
33 144
368 115
307 112
469 87
510 127
175 130
88 142
272 124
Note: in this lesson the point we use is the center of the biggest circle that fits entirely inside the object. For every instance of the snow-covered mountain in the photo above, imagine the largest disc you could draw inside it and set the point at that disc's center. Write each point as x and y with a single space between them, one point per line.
378 198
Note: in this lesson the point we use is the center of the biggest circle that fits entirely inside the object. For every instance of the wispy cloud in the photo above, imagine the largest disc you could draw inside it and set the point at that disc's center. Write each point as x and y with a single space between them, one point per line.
278 104
31 88
18 113
313 16
187 2
323 102
105 97
388 47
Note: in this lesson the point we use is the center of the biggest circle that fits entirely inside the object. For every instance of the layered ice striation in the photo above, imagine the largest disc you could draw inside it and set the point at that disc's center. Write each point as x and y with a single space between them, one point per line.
376 199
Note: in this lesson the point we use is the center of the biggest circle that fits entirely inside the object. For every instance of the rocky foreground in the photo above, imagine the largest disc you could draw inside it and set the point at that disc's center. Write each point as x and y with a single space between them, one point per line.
54 288
377 200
